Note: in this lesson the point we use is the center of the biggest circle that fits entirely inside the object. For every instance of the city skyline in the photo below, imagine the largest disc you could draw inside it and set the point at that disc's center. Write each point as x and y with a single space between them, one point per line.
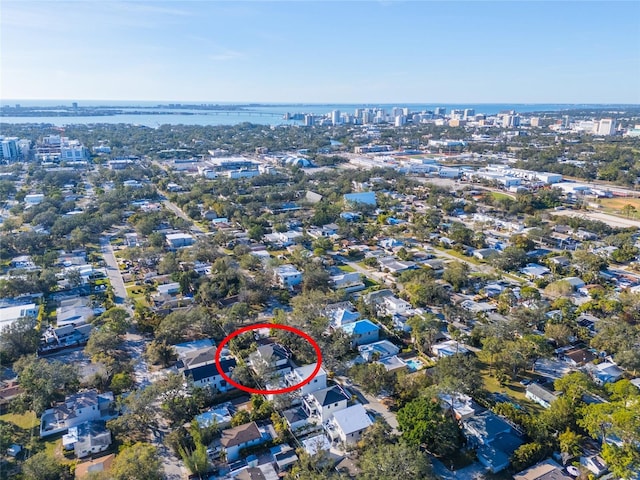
330 52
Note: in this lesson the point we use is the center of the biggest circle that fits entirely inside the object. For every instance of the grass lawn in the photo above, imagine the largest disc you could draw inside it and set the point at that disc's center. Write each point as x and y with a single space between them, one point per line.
25 421
461 256
346 268
513 389
499 195
615 206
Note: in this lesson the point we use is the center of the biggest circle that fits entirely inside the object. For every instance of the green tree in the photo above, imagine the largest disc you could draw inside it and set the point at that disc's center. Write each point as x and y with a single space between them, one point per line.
527 455
240 418
42 466
570 442
392 461
19 338
422 422
139 461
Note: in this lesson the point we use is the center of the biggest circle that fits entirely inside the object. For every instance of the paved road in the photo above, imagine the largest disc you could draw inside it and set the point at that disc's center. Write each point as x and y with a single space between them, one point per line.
113 271
372 403
178 211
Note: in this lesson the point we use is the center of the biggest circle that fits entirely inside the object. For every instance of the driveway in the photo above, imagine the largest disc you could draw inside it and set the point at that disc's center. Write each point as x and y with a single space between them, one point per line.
113 271
472 472
372 403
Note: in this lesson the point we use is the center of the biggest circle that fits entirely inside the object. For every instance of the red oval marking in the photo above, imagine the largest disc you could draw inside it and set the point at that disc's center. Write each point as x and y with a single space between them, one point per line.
258 326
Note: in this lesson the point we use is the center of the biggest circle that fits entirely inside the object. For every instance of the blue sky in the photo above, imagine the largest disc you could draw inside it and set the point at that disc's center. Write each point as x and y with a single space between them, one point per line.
330 51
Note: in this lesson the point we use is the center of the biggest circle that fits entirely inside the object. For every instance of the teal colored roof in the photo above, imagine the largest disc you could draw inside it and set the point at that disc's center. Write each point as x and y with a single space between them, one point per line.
360 327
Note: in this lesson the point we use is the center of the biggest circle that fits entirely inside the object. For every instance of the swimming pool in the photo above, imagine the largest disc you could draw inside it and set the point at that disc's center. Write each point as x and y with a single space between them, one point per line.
414 364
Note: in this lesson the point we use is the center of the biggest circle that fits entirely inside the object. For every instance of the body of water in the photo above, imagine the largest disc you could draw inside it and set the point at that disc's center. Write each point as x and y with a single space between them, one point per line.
154 114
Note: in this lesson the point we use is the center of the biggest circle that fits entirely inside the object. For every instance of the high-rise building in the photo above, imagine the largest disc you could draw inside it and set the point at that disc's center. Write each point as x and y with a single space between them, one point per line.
606 126
400 120
335 117
439 111
468 113
308 120
535 121
9 148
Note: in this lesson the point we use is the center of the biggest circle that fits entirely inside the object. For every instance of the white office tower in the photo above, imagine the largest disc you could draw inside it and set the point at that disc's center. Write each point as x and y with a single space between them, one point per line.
9 148
405 111
400 120
468 113
358 112
509 121
606 126
367 117
335 117
396 111
440 111
308 120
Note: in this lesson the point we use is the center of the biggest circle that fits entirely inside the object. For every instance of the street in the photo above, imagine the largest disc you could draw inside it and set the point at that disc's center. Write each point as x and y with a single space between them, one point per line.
113 271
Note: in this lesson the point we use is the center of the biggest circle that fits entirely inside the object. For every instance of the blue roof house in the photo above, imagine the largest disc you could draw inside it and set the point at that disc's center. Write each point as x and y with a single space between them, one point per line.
362 332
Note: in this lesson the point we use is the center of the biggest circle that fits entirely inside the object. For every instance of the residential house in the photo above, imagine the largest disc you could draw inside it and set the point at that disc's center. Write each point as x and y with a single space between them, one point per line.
179 240
349 282
315 444
296 418
448 348
392 305
87 438
545 470
393 265
540 395
605 372
575 282
75 311
362 331
208 375
322 404
10 314
102 464
595 464
300 374
485 253
342 316
9 390
533 270
220 416
169 289
348 425
23 262
288 276
242 436
283 456
578 357
76 409
494 439
274 355
378 350
461 406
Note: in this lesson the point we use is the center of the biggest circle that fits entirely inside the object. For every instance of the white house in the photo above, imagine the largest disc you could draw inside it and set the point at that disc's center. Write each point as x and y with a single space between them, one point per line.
606 372
208 375
288 276
350 282
393 305
540 395
87 438
378 350
362 331
76 409
178 240
8 315
169 289
322 404
448 348
348 424
242 436
298 375
296 418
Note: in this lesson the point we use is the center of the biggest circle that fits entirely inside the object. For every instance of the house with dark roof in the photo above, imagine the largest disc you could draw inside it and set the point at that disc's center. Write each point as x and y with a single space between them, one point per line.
494 439
208 374
540 395
296 418
274 355
242 436
545 470
322 404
